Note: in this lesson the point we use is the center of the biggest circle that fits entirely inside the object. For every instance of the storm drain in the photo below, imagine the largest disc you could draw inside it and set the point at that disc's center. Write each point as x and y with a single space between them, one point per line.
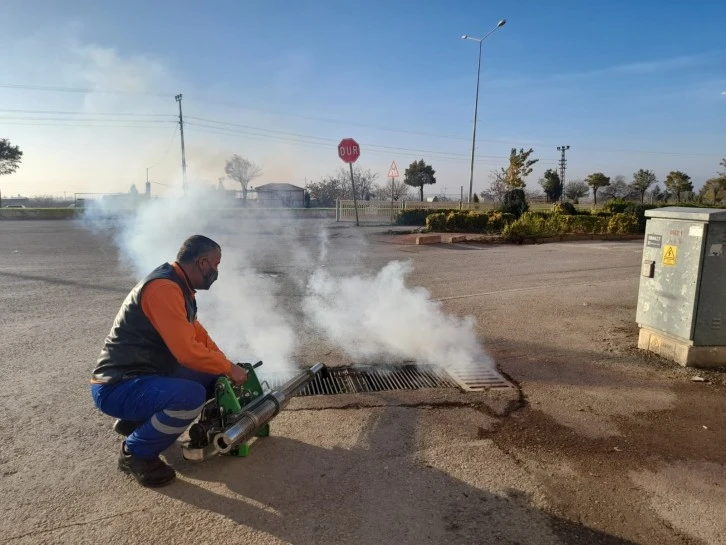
385 378
477 378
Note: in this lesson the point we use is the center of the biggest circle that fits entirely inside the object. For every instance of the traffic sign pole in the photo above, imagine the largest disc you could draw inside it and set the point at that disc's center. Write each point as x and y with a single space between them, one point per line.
392 174
349 151
392 183
355 200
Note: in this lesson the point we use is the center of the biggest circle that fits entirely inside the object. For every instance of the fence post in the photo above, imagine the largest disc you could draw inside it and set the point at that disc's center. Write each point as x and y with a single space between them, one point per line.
337 209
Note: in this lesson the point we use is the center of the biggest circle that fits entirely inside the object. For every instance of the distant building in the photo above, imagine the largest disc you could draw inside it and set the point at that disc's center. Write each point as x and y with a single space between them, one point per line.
15 202
280 195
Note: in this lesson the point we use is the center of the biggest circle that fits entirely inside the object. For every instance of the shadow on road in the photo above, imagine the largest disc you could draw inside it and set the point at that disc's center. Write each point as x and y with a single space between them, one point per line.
375 492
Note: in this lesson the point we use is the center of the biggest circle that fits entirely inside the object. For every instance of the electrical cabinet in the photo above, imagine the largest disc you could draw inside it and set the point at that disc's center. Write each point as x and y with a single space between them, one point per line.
682 293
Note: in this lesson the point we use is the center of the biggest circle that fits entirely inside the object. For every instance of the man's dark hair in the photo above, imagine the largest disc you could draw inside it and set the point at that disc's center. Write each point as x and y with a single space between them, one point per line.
194 247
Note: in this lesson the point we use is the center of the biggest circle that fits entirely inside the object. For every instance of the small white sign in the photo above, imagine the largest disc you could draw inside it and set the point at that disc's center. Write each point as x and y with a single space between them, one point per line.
696 231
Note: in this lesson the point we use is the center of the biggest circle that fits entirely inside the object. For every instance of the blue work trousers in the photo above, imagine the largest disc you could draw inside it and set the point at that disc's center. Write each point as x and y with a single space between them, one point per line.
165 404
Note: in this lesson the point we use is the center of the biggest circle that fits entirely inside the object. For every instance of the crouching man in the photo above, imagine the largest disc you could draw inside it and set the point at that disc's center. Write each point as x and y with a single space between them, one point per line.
158 365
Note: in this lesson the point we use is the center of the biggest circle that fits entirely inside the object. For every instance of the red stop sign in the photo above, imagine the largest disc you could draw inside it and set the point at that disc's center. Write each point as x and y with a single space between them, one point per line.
348 150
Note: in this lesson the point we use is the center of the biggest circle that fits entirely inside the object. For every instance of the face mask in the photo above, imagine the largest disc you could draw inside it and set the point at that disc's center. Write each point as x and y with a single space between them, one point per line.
209 278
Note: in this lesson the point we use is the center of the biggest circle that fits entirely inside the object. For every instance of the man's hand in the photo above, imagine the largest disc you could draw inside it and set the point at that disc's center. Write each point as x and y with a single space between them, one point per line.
237 374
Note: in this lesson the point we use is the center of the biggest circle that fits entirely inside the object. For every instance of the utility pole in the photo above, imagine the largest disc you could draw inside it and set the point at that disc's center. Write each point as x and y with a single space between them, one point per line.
476 100
563 167
181 131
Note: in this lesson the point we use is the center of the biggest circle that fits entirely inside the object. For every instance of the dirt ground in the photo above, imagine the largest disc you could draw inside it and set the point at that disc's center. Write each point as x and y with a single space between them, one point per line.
598 442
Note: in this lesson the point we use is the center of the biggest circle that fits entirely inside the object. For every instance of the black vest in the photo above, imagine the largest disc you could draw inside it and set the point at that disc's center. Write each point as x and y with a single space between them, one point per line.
134 347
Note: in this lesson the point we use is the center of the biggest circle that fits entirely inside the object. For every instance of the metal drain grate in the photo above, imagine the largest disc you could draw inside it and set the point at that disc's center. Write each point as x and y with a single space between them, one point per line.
382 378
473 379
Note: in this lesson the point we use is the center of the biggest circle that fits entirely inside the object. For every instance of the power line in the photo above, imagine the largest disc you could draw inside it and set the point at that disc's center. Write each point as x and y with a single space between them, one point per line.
300 141
347 123
80 125
79 90
631 151
293 115
168 147
55 112
86 120
323 139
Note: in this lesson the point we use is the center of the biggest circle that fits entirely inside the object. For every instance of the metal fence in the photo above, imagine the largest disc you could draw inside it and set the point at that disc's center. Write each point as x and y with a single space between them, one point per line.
385 211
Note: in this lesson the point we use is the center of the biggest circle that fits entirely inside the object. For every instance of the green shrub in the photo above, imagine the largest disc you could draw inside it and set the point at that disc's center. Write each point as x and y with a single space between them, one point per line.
497 221
455 221
514 202
416 216
623 224
616 206
458 221
577 225
540 213
638 210
436 221
527 225
537 225
564 207
41 213
477 223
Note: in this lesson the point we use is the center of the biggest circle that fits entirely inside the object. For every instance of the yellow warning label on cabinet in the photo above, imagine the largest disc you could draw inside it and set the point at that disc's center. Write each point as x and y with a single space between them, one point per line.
670 255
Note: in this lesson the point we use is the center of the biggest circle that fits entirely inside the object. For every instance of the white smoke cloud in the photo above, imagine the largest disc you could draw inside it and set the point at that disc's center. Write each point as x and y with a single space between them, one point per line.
378 317
241 310
285 279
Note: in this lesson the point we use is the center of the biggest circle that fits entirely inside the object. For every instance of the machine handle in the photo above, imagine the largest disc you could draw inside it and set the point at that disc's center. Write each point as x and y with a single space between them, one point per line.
250 365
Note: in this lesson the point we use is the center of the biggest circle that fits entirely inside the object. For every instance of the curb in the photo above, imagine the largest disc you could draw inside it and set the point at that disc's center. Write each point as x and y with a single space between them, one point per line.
438 238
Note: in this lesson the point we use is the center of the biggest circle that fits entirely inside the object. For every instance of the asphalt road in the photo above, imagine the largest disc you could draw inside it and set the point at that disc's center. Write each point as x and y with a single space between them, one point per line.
598 444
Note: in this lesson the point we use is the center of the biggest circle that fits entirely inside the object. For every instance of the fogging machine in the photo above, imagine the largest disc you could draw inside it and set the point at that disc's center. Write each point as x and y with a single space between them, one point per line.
237 414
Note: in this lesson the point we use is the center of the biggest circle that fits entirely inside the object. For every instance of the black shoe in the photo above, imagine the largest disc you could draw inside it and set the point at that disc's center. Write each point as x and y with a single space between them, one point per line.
125 427
152 473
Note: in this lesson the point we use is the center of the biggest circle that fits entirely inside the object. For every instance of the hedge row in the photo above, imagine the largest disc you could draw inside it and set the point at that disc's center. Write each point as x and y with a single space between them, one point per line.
40 213
418 216
468 221
533 224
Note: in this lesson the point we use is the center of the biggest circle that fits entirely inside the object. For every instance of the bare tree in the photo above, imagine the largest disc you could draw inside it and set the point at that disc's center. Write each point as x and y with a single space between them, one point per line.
575 190
365 187
327 191
397 188
497 188
243 171
619 189
338 186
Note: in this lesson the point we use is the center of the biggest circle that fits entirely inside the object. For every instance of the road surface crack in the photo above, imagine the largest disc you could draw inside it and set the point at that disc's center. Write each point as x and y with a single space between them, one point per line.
72 524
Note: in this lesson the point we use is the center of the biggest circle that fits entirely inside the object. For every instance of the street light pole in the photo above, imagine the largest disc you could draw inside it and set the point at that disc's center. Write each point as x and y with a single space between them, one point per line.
476 100
178 98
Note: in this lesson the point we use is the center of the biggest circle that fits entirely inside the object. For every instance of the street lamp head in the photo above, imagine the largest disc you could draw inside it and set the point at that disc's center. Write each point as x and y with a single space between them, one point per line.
464 37
502 23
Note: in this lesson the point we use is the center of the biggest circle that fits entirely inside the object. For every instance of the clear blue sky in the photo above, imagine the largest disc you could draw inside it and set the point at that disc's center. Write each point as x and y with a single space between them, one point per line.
627 84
